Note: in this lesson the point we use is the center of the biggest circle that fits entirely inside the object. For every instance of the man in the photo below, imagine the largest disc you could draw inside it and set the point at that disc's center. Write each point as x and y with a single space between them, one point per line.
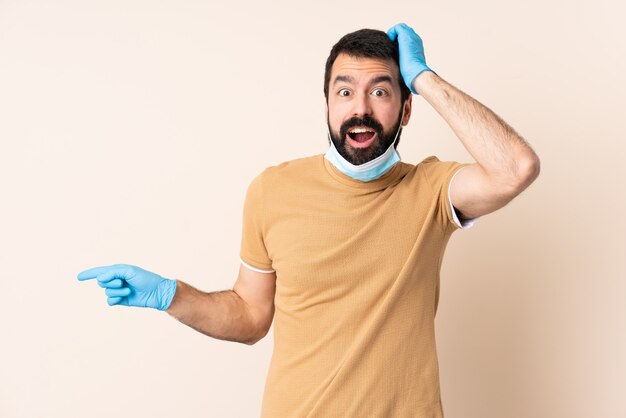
344 249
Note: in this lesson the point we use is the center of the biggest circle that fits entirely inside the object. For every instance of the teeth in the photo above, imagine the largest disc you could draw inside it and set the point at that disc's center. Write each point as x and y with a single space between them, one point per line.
359 130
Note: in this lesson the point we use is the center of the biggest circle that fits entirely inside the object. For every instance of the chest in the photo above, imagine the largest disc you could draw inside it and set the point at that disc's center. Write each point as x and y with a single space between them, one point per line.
331 243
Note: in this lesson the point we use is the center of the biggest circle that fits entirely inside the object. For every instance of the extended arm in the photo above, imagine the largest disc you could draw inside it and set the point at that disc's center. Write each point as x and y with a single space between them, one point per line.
243 314
222 314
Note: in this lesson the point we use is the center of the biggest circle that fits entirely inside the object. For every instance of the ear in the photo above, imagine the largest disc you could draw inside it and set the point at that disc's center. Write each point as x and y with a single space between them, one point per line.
407 110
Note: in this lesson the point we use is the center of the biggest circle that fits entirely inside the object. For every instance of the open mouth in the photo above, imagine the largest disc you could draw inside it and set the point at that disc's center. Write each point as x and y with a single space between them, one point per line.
360 134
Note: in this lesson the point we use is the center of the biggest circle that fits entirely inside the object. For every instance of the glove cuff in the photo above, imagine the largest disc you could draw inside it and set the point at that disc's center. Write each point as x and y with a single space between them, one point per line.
416 73
167 290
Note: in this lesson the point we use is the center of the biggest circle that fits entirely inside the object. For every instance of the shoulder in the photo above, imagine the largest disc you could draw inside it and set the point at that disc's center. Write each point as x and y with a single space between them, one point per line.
286 176
431 172
435 170
427 163
421 169
292 170
430 162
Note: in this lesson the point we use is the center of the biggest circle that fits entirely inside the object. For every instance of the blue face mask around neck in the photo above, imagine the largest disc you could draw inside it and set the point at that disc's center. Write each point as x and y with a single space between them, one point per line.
370 170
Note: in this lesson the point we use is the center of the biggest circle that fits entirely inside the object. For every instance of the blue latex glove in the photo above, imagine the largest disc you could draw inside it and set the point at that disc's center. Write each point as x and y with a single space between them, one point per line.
412 60
132 286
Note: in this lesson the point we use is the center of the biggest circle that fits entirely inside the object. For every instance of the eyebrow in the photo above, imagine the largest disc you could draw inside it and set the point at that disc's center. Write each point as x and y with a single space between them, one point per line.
376 80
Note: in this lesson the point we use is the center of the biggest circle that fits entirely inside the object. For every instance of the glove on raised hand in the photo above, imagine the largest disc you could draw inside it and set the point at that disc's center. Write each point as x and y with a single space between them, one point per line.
412 60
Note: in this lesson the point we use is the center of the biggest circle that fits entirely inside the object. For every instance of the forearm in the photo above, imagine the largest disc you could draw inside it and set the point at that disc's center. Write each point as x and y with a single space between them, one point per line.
223 315
495 145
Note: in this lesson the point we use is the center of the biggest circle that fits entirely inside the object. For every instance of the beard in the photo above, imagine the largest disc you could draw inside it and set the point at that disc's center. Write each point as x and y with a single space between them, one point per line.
358 156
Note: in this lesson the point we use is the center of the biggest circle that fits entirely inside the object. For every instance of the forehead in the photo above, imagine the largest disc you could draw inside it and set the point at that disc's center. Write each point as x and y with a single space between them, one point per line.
361 67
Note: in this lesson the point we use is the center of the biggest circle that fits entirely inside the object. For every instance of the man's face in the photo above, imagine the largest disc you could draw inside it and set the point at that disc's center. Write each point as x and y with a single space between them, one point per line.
364 107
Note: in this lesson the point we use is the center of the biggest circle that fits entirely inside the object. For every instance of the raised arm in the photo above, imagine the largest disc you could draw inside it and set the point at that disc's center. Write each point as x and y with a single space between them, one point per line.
505 164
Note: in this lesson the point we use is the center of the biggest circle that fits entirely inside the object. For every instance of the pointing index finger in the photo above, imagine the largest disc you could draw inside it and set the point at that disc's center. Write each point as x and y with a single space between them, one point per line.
91 273
94 272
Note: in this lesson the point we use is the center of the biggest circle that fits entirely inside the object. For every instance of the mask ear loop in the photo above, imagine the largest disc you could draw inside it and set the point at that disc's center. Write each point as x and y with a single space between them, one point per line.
396 137
399 127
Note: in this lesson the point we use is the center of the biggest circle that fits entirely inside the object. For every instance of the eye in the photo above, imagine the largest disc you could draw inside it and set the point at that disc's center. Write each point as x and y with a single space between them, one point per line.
379 92
344 92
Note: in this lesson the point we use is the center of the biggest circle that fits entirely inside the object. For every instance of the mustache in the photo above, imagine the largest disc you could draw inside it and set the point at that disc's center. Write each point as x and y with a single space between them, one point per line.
366 121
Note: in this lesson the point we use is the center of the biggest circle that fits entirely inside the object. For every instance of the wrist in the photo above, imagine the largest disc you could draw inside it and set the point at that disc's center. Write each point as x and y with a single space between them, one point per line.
425 76
182 299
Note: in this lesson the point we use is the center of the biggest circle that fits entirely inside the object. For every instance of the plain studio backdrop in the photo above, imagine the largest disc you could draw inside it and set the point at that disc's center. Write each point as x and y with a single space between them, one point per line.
131 129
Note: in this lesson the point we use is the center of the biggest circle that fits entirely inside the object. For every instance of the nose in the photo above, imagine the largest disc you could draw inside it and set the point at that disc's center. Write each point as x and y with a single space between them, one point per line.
361 105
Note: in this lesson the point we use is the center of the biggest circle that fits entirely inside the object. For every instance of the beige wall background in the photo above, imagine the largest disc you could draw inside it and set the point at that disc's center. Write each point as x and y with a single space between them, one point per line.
130 130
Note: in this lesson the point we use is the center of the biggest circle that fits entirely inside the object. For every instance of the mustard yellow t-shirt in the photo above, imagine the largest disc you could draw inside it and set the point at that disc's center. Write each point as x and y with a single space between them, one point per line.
357 286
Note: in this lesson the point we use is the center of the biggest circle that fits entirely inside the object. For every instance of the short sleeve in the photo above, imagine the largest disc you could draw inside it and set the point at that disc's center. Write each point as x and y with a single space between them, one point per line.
465 223
253 253
439 176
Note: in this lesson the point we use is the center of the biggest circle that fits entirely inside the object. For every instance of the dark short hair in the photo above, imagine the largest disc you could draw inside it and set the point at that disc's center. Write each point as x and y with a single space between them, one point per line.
366 43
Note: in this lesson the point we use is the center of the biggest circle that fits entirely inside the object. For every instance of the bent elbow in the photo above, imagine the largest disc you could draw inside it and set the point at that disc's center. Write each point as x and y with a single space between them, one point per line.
257 337
533 168
254 341
528 171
